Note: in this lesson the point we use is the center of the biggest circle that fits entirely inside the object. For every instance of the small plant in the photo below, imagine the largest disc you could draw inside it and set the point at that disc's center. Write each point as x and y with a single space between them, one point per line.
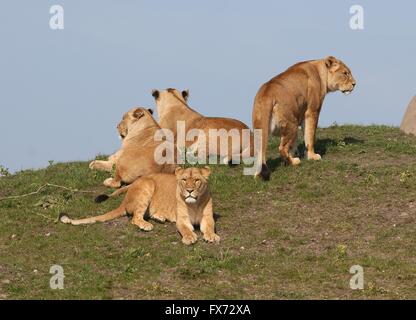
371 179
404 176
4 172
135 253
341 250
113 170
101 157
341 143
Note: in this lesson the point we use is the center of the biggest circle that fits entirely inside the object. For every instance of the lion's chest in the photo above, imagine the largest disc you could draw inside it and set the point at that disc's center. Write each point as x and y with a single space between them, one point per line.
195 216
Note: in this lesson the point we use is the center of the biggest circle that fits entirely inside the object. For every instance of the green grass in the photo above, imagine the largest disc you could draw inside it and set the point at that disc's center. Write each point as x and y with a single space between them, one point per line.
294 237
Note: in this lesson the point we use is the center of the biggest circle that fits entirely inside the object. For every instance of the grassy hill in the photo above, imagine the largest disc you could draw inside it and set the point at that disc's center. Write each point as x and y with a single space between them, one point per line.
295 236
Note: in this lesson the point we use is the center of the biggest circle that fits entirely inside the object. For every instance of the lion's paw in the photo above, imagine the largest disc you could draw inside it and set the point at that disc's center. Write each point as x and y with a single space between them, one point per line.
295 161
112 183
212 237
314 156
189 239
159 218
144 225
92 165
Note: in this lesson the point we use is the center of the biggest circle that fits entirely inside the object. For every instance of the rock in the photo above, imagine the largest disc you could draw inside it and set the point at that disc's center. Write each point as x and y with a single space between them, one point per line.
408 125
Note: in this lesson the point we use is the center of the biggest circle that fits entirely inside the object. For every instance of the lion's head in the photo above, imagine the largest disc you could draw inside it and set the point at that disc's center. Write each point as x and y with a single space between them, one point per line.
170 95
192 183
134 117
339 76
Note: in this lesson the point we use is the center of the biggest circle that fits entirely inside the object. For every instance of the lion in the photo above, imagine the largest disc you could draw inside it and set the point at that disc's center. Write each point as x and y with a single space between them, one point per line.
295 98
136 157
190 205
172 107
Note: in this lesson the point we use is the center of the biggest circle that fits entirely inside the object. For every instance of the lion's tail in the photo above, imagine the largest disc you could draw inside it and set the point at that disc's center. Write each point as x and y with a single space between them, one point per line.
262 113
248 151
103 197
119 212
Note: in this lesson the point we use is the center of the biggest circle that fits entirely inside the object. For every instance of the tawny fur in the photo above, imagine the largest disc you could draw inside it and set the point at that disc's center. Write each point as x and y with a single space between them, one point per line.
183 197
172 107
136 158
295 97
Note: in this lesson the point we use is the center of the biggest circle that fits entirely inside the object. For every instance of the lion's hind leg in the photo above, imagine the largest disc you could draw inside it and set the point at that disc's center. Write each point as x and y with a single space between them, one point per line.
289 134
161 208
157 216
138 206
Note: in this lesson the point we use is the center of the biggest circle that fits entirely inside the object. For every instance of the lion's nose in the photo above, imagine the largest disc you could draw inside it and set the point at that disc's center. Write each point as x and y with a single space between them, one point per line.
190 190
353 84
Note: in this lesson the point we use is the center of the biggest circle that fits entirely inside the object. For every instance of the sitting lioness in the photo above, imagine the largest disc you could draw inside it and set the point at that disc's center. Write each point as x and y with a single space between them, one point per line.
172 107
136 157
190 205
295 98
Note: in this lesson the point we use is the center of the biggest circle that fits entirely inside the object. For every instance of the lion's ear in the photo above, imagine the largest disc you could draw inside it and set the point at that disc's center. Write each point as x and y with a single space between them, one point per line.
205 171
185 94
138 113
150 111
178 171
155 94
330 61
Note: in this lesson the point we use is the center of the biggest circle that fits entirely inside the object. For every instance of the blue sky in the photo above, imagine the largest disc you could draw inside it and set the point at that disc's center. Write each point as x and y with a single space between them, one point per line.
63 91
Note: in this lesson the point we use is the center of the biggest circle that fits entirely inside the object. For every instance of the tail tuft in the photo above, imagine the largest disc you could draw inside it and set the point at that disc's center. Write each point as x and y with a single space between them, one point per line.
101 198
265 172
64 218
231 164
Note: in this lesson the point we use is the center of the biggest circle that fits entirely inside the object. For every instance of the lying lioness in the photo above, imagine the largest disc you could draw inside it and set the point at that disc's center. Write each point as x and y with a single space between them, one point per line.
172 107
295 98
136 157
190 205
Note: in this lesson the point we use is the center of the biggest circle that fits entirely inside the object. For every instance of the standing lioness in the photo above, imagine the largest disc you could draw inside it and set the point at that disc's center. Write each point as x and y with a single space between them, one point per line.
295 97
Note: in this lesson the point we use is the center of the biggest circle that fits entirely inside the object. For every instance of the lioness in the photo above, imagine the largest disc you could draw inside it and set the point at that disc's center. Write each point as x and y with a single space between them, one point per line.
295 98
172 107
190 205
136 157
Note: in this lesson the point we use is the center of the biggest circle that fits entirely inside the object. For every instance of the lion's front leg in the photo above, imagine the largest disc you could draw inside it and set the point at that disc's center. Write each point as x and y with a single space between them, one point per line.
208 224
311 123
114 157
105 165
101 165
112 183
185 227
